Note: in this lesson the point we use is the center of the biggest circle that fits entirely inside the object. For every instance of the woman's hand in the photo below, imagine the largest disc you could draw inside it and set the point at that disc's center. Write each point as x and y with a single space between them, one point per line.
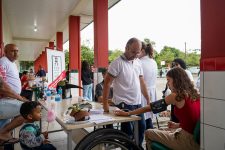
173 125
121 113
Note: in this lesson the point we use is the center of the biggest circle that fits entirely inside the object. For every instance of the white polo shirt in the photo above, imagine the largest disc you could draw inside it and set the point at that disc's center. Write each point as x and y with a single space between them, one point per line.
11 73
126 85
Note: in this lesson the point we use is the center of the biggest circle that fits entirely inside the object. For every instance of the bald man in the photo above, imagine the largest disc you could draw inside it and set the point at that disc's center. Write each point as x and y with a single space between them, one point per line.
10 88
126 74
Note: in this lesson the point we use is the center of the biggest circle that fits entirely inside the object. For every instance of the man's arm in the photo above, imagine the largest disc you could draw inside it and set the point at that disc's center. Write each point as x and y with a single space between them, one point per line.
106 88
6 91
144 90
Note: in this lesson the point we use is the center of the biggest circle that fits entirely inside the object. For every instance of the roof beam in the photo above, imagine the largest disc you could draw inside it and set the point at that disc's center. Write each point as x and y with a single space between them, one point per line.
30 39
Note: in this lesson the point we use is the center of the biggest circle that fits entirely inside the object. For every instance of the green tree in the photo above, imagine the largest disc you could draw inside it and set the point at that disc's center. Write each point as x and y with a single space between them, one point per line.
87 54
114 54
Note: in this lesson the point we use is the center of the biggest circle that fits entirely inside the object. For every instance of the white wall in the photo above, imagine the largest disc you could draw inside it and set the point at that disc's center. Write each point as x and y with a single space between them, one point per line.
213 110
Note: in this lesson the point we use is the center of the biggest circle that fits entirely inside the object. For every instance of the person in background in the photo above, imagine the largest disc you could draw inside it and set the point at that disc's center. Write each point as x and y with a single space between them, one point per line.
30 135
128 84
87 80
10 106
150 71
31 72
41 72
186 99
26 89
160 73
99 89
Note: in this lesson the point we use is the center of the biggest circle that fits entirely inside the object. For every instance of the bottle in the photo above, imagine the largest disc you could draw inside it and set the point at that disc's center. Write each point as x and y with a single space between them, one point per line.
48 95
60 92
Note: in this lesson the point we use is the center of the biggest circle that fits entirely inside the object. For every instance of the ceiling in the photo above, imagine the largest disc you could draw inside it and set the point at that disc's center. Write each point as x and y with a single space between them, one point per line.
50 16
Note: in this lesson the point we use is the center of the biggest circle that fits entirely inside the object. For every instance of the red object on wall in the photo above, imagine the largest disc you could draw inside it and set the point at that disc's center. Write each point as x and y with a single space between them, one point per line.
100 33
212 35
59 41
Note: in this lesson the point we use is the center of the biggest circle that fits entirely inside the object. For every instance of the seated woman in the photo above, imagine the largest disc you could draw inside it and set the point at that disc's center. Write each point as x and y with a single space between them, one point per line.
187 109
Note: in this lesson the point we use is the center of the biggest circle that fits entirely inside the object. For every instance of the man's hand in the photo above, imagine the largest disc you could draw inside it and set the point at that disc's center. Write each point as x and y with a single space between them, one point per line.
106 106
22 99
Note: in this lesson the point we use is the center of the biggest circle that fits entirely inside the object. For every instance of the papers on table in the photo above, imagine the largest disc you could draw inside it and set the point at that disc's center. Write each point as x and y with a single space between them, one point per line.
100 118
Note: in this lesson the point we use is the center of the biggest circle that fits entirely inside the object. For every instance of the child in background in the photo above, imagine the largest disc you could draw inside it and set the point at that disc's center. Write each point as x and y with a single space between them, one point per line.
30 136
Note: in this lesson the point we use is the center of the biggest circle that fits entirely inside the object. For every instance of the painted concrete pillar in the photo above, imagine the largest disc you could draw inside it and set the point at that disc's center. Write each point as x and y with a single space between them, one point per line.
51 45
59 41
101 33
212 74
1 32
75 53
100 38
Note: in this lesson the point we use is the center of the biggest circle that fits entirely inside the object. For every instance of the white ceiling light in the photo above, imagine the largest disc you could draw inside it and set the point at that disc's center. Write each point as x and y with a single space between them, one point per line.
35 29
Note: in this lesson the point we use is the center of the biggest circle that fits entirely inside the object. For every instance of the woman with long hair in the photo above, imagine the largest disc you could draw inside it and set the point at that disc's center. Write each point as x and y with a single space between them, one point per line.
150 71
187 109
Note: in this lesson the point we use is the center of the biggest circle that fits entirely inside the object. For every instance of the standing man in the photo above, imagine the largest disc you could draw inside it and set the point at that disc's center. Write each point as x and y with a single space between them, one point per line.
10 107
128 84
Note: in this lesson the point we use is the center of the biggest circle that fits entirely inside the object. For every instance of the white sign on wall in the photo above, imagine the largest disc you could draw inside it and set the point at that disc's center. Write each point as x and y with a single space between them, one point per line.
56 64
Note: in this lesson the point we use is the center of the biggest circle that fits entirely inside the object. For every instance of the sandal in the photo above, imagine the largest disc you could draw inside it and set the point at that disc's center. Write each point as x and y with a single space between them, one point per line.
9 141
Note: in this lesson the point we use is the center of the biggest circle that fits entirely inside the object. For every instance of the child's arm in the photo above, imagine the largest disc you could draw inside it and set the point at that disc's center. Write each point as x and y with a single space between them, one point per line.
27 137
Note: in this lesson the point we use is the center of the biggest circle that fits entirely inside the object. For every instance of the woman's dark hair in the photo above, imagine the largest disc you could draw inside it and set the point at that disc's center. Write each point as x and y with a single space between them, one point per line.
25 72
149 50
85 66
180 62
27 108
182 84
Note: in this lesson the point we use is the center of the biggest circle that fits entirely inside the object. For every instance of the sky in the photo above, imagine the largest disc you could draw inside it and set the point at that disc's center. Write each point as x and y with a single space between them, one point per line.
166 22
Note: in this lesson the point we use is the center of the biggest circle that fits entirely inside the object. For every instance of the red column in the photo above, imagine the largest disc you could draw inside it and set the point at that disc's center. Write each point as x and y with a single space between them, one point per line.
101 33
51 45
44 61
1 32
74 46
59 41
212 35
74 42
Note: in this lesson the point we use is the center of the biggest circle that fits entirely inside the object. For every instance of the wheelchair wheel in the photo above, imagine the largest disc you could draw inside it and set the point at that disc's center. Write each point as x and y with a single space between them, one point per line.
107 138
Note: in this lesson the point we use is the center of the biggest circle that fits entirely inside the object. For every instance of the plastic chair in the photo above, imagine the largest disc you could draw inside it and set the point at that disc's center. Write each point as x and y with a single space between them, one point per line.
196 134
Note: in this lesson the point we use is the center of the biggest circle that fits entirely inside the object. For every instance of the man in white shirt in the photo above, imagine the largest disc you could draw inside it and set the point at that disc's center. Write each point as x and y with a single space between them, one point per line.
128 84
10 106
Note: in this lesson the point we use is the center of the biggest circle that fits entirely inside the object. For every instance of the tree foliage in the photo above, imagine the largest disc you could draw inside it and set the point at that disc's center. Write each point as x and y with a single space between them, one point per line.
114 54
167 54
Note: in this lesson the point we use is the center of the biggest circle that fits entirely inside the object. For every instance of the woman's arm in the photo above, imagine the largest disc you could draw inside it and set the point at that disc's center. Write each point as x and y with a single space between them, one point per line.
170 99
134 112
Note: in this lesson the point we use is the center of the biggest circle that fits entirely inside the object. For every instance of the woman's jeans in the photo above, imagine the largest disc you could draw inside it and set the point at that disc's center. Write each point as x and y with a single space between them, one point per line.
87 92
128 127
